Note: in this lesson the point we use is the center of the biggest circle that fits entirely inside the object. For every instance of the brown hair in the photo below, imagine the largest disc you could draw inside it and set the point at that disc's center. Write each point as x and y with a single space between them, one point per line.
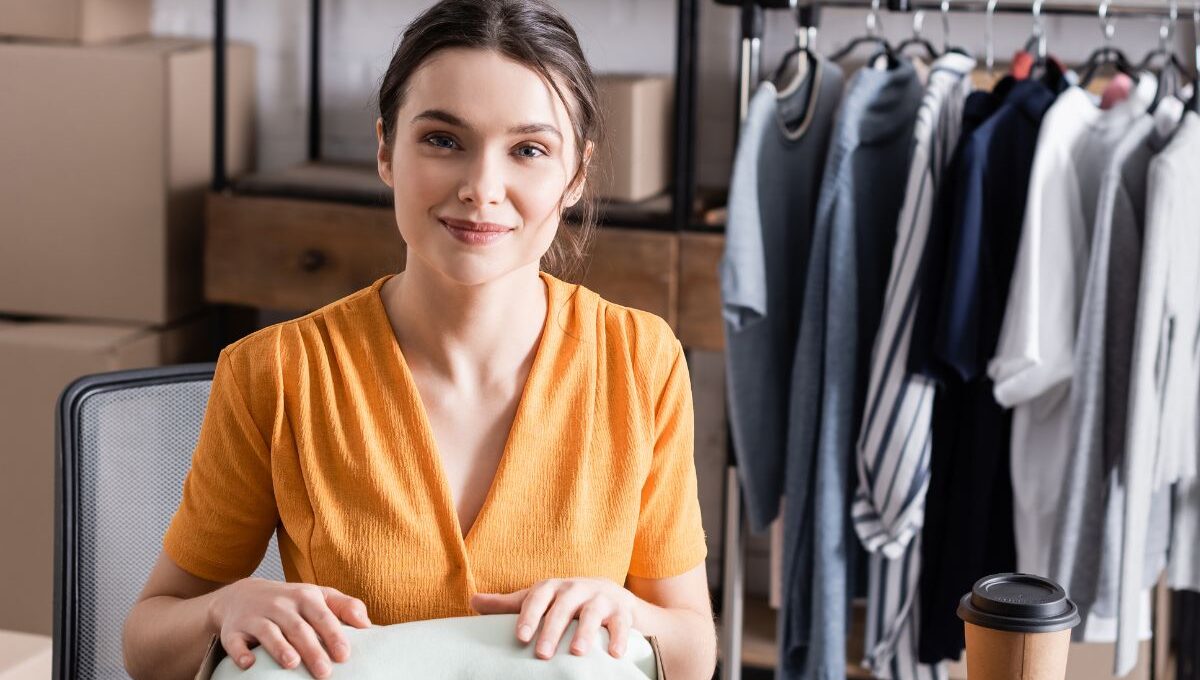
530 32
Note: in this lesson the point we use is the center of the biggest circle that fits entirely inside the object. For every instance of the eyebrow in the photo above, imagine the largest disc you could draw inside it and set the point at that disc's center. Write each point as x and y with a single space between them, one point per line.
451 119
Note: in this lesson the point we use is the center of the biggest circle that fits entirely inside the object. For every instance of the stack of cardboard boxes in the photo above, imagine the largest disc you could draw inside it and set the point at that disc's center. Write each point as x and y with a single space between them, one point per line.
105 157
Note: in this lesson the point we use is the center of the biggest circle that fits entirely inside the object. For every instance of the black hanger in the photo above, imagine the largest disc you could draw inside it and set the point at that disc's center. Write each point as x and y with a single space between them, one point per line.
1036 45
871 38
1194 102
1170 74
930 51
806 17
917 39
882 44
946 46
1106 56
1173 72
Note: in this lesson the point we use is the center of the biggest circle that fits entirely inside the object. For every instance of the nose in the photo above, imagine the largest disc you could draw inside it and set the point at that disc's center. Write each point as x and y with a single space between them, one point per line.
484 182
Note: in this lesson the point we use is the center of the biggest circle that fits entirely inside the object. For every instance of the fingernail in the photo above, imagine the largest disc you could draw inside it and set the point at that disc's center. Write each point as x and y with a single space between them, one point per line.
288 660
525 632
245 661
321 668
544 649
341 649
579 648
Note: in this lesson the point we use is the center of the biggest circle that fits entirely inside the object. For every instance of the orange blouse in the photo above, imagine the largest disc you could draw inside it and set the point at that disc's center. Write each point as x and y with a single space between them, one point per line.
314 428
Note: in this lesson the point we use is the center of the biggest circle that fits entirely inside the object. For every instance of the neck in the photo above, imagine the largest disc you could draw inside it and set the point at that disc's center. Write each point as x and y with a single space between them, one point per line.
467 332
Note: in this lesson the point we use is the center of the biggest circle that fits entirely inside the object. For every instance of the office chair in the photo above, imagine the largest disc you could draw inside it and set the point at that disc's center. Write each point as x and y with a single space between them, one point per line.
124 443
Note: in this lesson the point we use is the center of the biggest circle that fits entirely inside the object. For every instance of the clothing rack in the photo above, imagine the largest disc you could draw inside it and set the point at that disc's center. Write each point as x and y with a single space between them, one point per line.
749 66
1017 7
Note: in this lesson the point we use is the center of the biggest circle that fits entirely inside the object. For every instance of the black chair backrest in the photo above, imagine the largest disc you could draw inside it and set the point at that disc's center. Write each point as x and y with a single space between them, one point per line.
124 443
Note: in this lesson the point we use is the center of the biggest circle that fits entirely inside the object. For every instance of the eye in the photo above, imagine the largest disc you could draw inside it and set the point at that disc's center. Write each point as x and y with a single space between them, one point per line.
440 141
530 147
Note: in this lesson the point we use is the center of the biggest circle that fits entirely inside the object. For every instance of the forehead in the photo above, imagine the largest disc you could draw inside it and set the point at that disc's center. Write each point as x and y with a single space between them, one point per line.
486 89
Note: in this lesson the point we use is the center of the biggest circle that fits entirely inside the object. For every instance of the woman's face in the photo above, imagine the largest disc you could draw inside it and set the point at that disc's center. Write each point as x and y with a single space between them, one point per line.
482 156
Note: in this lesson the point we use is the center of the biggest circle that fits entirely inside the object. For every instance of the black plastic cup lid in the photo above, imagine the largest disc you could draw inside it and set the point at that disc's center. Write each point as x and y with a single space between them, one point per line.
1020 603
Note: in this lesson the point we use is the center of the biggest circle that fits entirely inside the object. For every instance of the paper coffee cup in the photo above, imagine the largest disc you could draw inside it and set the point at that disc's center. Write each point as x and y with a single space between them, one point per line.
1018 627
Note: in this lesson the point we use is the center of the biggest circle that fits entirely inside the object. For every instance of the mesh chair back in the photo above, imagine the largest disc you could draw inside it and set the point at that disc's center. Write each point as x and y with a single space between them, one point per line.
124 442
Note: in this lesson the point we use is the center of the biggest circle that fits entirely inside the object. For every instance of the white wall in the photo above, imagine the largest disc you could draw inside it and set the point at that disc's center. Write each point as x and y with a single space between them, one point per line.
617 35
359 38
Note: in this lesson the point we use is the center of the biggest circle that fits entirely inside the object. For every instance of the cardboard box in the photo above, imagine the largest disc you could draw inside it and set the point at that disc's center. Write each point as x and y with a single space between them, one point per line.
85 21
634 158
38 359
24 656
107 155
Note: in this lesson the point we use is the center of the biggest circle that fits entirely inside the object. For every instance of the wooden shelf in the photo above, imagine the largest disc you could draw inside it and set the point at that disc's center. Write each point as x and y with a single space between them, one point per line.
299 254
290 253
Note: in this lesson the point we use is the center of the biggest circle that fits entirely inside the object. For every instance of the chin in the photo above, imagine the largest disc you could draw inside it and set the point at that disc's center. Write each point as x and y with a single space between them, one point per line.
466 270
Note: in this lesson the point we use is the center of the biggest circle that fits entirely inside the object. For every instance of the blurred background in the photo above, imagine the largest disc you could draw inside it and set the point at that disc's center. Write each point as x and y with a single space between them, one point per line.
130 241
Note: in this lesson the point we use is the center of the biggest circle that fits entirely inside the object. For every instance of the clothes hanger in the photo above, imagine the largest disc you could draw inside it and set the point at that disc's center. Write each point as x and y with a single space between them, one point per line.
806 17
1194 102
989 38
1107 54
872 37
1036 45
946 46
1172 71
917 39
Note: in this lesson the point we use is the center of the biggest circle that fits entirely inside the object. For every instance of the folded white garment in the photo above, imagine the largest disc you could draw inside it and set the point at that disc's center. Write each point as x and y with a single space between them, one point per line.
469 647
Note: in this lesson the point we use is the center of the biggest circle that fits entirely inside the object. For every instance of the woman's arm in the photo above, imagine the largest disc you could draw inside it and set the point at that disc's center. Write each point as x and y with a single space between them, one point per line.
168 629
678 612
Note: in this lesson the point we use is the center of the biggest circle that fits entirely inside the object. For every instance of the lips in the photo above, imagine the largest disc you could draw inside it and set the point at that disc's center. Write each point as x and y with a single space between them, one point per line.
467 225
475 233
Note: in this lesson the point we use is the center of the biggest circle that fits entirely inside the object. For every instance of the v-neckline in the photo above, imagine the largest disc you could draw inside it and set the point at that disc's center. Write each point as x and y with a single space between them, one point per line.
429 447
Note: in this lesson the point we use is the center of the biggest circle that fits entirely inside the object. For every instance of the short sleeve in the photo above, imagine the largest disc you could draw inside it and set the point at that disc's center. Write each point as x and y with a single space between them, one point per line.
670 536
227 513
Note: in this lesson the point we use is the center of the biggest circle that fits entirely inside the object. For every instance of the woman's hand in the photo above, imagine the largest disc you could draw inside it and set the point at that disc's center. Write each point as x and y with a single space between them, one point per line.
556 602
290 620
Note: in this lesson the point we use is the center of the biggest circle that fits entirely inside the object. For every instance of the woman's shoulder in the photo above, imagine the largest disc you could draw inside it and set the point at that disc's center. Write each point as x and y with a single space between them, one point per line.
619 329
272 344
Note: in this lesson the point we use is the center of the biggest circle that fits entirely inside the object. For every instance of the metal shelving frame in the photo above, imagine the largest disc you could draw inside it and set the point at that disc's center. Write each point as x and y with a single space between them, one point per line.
683 175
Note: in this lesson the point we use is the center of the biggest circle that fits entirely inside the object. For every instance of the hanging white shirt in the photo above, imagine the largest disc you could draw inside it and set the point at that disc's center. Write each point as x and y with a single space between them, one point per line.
1034 358
1164 390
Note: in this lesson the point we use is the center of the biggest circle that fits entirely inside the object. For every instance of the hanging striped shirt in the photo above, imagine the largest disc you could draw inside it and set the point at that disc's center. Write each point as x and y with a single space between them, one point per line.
894 443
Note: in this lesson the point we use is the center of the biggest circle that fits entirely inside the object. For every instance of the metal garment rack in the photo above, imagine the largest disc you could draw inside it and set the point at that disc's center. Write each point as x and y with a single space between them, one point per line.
749 67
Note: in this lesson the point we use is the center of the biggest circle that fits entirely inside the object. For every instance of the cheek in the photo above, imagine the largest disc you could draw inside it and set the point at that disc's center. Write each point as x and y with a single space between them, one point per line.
420 181
538 192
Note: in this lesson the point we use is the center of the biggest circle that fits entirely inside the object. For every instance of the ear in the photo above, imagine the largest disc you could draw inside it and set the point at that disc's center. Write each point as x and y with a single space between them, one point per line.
576 191
383 155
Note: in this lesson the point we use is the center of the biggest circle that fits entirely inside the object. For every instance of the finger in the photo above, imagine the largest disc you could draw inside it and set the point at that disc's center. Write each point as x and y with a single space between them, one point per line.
566 603
237 649
327 627
618 633
349 609
498 603
534 607
271 637
302 636
590 618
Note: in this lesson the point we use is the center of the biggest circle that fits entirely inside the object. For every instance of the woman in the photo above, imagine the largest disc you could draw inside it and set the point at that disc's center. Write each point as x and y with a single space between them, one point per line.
471 435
